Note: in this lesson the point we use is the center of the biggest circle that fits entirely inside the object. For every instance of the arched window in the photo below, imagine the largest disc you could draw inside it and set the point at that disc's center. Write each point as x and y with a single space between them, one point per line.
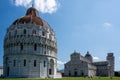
24 32
44 52
15 32
9 34
35 63
34 32
24 62
44 63
14 63
35 47
21 46
50 37
6 60
43 33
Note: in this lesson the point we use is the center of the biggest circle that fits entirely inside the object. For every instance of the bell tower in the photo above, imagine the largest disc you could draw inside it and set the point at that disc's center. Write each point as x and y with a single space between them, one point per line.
110 59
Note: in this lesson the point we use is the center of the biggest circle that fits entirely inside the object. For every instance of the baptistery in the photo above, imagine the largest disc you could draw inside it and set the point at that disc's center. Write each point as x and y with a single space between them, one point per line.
30 48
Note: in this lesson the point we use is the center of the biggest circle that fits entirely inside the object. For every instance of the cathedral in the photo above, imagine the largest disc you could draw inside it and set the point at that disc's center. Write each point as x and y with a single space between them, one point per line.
30 48
84 66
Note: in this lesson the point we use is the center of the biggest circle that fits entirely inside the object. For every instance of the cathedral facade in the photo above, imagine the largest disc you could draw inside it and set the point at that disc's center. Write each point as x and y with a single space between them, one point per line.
84 66
30 48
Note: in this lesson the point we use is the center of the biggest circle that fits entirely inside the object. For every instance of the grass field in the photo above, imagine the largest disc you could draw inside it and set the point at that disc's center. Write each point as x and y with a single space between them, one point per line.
66 78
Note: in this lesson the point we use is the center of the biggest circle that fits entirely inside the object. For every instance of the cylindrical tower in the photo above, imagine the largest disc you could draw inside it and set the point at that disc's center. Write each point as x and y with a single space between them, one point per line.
30 47
111 59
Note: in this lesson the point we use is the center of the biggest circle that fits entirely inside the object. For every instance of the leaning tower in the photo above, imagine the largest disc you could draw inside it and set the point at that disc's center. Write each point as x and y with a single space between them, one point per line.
30 48
110 59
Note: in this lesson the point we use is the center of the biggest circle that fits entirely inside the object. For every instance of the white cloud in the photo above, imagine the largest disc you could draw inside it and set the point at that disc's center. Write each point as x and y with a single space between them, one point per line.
60 63
44 6
25 3
95 58
107 25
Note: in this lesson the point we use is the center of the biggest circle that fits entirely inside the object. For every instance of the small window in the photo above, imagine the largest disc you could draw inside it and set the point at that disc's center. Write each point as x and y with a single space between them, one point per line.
50 36
35 47
24 31
35 63
44 52
65 66
21 46
24 62
9 34
6 60
15 32
44 64
43 33
82 61
14 63
34 32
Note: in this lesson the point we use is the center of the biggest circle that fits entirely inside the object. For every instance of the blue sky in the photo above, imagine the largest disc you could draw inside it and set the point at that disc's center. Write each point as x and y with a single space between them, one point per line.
80 25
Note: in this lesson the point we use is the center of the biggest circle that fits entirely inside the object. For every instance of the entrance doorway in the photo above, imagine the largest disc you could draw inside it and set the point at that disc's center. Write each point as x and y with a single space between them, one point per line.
75 73
51 69
8 71
82 74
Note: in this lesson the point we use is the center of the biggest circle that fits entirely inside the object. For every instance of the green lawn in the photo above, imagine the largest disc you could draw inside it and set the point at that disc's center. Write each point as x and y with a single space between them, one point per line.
65 78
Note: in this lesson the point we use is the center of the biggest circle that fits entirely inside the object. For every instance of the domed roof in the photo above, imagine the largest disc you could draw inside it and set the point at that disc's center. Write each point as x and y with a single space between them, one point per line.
30 17
88 54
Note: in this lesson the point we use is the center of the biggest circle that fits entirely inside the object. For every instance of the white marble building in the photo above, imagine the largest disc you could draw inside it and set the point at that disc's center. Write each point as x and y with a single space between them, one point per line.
84 66
79 66
30 48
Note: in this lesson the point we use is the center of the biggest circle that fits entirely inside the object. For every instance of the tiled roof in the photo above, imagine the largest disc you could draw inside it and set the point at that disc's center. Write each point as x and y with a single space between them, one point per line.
30 17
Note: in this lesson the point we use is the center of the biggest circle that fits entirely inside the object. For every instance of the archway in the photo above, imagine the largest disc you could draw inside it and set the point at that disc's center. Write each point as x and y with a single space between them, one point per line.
82 74
69 73
8 71
51 69
75 73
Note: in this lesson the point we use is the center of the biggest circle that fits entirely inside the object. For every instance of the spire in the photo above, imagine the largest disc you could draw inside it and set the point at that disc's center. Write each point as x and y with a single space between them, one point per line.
74 51
88 52
32 3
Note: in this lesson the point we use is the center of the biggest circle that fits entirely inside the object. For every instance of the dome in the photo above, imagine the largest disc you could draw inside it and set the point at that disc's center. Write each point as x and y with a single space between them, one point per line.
25 31
30 17
88 55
